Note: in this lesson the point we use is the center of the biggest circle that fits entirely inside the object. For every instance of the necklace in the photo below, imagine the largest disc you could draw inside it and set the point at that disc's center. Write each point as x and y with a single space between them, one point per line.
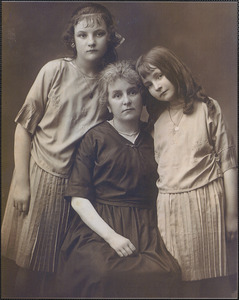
176 126
125 133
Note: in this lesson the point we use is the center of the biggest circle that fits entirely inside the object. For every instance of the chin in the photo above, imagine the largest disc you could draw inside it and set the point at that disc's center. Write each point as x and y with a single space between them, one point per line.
93 56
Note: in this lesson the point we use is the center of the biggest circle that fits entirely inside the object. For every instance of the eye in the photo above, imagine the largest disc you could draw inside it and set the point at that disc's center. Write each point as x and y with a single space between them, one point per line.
116 95
82 35
101 33
133 92
159 75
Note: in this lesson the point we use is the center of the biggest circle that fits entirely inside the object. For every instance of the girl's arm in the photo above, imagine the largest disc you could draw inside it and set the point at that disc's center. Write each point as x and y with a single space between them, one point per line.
91 218
22 146
230 183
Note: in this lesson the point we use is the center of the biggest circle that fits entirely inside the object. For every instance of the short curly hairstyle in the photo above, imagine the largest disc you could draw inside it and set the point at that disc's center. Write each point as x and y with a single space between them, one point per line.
83 12
124 69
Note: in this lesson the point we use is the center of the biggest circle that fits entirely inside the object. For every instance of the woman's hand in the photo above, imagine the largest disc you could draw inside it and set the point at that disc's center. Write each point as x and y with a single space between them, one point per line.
93 220
231 227
121 245
21 198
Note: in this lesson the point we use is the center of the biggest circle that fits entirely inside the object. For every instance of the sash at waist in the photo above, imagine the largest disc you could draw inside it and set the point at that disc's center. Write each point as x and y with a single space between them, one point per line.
126 202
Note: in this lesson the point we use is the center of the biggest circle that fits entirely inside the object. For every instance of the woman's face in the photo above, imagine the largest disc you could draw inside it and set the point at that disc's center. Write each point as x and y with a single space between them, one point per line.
125 100
91 41
159 86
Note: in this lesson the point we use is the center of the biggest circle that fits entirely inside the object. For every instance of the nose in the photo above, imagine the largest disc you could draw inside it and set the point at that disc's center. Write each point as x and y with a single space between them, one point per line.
126 99
91 41
157 85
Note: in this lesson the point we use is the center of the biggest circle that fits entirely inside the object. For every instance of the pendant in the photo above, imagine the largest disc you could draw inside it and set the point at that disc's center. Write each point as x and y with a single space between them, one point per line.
176 128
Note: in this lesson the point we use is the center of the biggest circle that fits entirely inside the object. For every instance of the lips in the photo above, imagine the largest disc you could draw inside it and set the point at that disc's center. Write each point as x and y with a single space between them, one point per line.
163 93
91 51
128 109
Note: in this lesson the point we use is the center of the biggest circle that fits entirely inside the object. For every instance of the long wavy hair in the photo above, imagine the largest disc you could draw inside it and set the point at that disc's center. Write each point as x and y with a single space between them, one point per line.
84 12
178 74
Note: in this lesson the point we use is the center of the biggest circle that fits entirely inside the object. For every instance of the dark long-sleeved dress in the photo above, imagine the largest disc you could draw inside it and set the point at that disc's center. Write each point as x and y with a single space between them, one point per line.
118 177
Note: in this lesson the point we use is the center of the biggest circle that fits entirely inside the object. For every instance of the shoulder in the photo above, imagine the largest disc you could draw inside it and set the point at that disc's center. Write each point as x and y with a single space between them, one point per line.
212 102
211 105
96 130
213 109
216 104
56 64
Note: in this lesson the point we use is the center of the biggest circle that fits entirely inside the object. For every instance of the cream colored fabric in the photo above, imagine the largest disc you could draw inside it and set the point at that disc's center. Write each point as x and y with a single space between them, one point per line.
198 153
33 240
190 204
58 110
193 228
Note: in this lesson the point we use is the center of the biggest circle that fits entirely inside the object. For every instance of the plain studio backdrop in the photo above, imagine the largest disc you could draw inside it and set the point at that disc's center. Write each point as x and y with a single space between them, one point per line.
202 34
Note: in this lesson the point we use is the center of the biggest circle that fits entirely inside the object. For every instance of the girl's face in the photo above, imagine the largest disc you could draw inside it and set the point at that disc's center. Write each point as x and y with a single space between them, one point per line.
159 86
91 41
125 100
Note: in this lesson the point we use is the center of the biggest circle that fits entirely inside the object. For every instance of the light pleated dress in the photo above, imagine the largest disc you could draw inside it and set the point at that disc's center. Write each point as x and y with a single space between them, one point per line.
191 199
59 109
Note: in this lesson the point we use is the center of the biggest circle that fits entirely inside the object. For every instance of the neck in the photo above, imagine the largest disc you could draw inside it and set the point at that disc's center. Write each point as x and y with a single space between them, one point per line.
90 69
176 104
126 127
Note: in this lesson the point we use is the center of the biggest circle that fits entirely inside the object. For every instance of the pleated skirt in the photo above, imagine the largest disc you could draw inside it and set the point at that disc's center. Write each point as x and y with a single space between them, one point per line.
33 240
192 226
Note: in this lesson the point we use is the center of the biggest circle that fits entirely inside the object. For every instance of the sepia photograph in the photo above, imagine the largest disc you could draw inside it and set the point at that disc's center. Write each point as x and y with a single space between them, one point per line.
119 150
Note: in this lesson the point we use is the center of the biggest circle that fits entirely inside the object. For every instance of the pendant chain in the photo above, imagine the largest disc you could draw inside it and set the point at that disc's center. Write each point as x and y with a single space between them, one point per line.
176 126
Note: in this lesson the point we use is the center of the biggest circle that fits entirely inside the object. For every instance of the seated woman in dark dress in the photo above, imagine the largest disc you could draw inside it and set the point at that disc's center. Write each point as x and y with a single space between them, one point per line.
113 247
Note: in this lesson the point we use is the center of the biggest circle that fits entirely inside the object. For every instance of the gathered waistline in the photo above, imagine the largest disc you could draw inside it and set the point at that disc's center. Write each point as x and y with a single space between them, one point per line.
125 203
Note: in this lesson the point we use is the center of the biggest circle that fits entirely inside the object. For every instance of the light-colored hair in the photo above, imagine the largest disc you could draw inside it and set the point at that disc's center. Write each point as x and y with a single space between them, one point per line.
124 69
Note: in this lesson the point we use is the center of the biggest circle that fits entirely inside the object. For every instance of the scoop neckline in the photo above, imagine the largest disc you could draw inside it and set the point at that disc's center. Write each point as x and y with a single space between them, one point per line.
83 74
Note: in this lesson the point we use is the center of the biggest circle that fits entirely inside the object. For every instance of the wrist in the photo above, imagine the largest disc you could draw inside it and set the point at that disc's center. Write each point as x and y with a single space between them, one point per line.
23 182
109 235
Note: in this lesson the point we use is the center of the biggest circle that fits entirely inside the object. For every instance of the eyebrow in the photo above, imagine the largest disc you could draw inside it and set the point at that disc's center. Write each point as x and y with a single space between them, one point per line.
116 91
156 72
85 30
132 88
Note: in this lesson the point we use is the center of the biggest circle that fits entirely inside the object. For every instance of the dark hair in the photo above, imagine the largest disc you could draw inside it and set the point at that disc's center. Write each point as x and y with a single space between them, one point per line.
178 74
124 69
81 13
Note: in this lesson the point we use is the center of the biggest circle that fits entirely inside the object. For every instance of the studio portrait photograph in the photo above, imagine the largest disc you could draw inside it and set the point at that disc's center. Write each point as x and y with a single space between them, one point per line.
119 150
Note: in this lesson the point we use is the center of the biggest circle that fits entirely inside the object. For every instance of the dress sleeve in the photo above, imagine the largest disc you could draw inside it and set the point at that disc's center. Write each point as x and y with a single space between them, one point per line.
33 108
81 179
223 141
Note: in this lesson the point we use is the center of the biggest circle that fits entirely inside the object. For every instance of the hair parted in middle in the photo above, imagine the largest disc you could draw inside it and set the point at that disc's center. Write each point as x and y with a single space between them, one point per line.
124 69
93 13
